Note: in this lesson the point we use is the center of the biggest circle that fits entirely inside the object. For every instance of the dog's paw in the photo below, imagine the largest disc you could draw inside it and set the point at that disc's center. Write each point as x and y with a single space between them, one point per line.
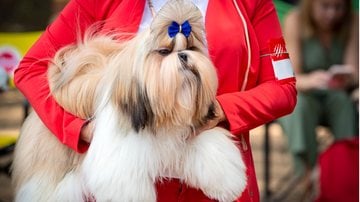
214 164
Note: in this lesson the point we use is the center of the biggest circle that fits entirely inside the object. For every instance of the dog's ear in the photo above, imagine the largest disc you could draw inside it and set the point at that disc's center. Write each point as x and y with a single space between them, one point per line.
138 108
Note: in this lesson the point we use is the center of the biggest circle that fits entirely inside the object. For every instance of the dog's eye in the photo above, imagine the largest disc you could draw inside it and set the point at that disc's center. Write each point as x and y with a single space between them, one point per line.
164 51
193 48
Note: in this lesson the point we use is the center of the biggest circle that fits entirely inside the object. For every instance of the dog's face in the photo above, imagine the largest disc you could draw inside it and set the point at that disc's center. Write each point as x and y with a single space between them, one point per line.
171 82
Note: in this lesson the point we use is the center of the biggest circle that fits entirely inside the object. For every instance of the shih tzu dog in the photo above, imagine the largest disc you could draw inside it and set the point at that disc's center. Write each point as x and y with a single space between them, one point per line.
146 97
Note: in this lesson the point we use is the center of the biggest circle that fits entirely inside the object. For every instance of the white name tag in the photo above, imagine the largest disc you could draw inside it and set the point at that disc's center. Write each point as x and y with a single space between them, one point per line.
283 69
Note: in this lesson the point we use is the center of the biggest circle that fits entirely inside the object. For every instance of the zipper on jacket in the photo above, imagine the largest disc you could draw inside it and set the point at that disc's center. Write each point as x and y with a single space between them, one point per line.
247 38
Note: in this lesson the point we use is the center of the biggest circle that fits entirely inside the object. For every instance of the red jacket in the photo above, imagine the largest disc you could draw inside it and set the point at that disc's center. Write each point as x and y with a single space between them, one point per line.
265 97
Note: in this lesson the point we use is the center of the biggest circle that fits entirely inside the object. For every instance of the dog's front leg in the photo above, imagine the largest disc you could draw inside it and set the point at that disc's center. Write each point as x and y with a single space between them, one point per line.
120 172
119 164
214 164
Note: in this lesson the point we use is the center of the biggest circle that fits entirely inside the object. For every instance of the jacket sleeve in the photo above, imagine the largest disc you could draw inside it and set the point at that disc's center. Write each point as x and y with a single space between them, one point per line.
272 97
31 75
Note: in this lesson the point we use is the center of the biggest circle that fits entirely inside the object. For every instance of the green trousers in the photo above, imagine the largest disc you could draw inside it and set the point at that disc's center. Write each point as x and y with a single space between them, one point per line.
331 108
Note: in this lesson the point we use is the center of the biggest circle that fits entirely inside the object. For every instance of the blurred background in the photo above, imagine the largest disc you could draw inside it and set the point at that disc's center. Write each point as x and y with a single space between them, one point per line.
22 22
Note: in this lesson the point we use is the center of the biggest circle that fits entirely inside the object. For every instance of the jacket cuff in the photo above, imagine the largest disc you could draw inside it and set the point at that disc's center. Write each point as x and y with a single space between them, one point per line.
230 113
72 139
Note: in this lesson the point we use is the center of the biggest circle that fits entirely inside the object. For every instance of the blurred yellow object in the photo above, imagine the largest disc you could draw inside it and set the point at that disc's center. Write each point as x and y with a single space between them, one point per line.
8 137
16 44
21 40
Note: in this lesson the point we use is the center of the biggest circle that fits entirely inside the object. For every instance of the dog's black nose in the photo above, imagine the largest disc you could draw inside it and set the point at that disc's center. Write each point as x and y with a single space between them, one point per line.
183 57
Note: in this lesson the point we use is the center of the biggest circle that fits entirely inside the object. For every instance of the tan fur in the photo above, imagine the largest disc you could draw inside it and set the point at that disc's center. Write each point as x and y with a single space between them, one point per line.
76 71
41 152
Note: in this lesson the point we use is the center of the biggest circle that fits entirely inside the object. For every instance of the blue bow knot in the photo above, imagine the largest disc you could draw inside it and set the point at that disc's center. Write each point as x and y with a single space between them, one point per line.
184 28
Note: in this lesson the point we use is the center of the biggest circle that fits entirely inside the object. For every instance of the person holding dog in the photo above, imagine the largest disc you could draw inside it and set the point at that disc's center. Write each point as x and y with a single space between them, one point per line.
256 81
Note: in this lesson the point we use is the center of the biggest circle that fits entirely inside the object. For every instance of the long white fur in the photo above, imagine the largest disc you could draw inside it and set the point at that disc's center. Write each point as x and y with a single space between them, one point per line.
210 161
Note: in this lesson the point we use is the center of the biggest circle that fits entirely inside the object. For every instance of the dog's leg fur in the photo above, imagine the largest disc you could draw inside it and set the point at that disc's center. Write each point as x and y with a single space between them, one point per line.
118 154
42 165
214 164
37 169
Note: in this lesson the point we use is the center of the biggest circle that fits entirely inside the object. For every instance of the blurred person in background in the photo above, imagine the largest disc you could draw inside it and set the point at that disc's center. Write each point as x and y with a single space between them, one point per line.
322 41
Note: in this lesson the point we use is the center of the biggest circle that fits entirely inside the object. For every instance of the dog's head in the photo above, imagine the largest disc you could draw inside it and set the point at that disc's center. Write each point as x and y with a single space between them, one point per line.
166 77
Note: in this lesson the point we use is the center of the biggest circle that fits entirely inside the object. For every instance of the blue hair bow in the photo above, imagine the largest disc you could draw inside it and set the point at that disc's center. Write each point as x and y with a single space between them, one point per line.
184 28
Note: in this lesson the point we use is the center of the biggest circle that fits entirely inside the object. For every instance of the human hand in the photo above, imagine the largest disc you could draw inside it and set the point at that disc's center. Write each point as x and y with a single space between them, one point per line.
318 79
86 133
